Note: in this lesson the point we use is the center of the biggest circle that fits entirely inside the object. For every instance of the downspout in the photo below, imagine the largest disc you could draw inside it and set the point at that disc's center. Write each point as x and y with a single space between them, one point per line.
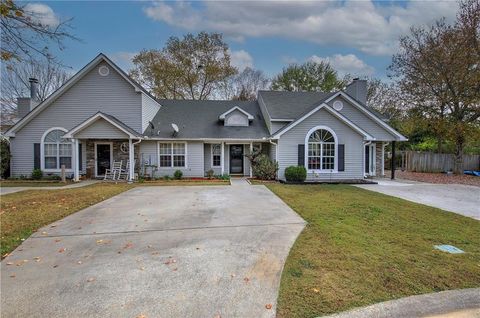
365 144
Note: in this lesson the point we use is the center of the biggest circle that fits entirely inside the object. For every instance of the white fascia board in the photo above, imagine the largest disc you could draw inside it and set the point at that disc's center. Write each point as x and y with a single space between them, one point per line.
368 113
280 119
222 116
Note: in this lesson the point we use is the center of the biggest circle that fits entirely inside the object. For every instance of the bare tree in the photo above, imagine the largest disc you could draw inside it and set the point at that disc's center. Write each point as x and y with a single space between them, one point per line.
245 85
26 35
15 82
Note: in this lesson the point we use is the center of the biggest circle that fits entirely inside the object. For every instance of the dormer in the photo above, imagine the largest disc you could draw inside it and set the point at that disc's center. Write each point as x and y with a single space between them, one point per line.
236 117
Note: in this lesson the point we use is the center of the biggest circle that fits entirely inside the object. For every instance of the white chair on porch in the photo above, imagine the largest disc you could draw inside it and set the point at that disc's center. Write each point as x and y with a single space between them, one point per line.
124 173
114 172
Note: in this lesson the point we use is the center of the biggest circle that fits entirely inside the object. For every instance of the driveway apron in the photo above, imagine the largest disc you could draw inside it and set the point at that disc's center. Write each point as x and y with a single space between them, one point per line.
206 251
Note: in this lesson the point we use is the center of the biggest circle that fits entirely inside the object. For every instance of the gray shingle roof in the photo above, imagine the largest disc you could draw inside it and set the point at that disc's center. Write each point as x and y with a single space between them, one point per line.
199 119
290 105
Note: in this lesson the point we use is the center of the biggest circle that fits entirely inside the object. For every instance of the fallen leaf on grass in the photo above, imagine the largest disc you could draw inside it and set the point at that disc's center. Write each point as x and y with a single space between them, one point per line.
44 233
315 290
268 306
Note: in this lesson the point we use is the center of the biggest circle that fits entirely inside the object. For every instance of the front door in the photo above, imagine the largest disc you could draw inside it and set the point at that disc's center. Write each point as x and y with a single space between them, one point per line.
236 159
103 156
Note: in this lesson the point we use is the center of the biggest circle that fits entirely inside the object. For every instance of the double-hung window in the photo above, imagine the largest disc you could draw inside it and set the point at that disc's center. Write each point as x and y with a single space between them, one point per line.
216 155
56 151
172 154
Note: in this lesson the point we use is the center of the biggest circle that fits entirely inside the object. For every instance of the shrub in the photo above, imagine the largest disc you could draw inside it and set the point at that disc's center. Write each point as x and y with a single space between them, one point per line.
224 176
296 173
210 173
4 157
166 177
37 174
264 168
52 177
178 174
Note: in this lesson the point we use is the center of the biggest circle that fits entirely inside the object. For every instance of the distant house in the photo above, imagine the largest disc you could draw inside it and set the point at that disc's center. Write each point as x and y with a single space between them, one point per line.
101 115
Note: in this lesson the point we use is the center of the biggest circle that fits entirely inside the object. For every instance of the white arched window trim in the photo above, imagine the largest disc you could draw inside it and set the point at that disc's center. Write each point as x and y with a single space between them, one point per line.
42 151
311 131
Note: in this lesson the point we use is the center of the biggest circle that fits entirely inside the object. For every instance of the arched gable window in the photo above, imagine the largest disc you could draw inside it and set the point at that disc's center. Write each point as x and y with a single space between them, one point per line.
321 150
56 151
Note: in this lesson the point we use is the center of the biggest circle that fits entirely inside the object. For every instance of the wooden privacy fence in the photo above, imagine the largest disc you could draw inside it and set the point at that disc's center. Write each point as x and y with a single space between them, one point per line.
419 161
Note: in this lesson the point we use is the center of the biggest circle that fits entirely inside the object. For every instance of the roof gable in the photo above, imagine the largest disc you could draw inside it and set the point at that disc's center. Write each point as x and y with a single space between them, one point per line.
102 116
70 83
223 115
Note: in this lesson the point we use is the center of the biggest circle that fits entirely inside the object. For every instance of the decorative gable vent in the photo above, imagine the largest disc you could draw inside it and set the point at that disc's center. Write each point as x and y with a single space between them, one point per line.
103 70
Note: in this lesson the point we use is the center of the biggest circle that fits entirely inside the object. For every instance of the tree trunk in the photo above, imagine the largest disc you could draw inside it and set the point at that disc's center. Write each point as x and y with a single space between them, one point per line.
459 145
439 143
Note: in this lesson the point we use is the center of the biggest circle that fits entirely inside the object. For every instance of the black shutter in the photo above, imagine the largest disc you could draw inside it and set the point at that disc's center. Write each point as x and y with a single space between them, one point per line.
367 159
341 157
301 155
36 156
80 161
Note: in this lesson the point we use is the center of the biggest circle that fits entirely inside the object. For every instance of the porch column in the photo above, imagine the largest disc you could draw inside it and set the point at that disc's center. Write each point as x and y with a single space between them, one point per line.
76 161
131 160
393 161
251 151
383 158
223 158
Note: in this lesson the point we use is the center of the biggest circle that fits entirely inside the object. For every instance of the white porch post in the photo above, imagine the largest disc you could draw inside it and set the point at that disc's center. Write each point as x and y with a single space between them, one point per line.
76 161
131 160
223 158
383 159
251 151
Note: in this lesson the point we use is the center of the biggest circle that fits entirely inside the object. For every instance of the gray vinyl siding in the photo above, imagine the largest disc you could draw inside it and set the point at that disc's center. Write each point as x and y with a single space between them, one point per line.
207 152
149 110
195 159
101 129
363 121
288 146
111 94
237 113
277 125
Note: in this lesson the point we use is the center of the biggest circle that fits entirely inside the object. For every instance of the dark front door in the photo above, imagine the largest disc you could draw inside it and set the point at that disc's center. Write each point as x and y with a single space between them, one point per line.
236 159
103 158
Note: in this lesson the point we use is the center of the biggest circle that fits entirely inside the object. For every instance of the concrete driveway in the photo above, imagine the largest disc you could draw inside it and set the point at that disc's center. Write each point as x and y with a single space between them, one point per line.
211 251
458 198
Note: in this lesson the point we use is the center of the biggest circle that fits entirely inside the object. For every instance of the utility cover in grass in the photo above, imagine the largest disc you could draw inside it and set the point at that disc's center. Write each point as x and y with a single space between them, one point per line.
449 249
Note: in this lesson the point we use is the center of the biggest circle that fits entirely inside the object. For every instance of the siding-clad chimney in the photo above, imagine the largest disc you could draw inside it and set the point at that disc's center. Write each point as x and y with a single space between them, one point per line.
26 104
358 90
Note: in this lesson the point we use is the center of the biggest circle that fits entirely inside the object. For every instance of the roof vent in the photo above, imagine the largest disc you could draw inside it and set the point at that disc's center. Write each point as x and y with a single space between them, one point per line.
337 105
103 70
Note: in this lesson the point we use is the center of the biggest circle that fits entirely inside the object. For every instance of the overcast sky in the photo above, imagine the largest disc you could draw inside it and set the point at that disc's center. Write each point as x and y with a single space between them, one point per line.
357 37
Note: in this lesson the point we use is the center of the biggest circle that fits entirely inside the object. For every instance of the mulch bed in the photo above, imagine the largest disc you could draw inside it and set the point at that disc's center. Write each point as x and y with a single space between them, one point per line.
440 178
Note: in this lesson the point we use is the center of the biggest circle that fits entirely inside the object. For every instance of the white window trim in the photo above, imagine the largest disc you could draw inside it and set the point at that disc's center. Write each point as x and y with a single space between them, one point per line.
95 156
335 161
42 151
171 145
211 156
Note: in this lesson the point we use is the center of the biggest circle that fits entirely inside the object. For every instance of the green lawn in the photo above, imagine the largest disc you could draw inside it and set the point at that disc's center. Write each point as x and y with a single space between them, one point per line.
362 247
24 212
33 183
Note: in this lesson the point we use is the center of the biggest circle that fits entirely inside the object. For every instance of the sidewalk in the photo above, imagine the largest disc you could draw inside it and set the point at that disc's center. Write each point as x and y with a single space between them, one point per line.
452 304
8 190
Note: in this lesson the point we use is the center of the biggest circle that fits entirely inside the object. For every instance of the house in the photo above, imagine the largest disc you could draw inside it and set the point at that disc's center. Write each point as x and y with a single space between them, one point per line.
101 115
